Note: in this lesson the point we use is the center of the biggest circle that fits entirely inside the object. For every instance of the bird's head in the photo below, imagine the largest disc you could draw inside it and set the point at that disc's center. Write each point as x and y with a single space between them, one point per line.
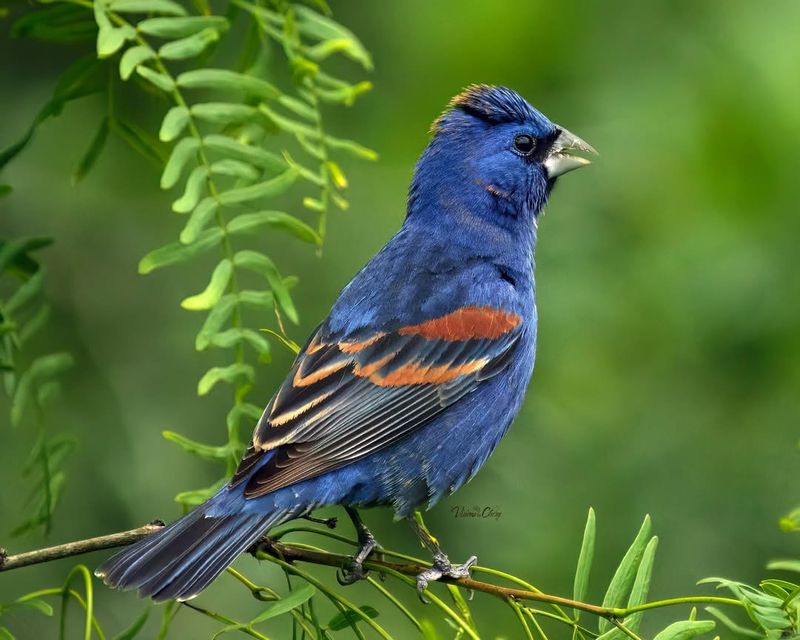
493 157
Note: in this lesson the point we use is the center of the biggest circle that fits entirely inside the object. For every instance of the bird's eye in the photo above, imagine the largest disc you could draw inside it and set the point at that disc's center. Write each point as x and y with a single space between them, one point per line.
524 144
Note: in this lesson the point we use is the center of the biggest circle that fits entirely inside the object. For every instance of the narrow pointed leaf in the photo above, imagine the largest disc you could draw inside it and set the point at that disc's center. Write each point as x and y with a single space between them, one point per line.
93 152
685 630
347 618
263 265
235 169
585 559
621 583
285 605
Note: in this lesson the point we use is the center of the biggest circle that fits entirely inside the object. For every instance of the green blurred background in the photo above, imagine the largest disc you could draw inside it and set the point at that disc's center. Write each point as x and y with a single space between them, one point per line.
669 353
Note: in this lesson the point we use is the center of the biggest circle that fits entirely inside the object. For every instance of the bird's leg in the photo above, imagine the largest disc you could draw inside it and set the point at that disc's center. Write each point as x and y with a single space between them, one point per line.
442 567
354 570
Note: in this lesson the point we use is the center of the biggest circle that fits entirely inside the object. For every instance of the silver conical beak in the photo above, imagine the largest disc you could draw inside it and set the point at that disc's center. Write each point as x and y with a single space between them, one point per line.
563 154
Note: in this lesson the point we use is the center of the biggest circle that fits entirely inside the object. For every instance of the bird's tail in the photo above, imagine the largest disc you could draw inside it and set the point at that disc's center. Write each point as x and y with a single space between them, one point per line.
182 559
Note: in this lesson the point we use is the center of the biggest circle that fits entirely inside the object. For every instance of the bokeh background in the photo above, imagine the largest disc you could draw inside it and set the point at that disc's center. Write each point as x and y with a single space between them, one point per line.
669 356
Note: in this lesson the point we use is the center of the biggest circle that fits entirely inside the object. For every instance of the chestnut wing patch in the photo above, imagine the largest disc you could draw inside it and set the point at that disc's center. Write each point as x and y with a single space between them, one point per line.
345 399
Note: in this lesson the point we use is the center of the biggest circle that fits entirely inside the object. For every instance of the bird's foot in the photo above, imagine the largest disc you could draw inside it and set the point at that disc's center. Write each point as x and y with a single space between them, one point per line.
353 568
443 568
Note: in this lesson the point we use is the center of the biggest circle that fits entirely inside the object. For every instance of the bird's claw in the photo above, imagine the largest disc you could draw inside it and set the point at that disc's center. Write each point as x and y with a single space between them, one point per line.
443 568
351 572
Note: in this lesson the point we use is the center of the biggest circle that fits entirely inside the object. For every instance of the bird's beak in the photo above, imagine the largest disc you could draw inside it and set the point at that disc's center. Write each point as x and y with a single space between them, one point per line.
563 157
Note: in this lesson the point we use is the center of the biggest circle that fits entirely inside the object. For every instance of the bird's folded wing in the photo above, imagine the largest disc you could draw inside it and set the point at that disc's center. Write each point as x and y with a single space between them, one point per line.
347 398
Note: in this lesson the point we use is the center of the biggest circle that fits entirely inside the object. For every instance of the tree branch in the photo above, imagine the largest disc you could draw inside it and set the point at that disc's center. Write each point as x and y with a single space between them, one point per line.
300 553
77 548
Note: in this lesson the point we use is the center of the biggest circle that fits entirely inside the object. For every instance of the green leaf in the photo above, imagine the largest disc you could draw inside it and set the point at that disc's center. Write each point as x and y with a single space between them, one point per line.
245 152
195 187
131 632
25 293
641 586
733 626
43 368
190 46
227 81
285 605
784 565
317 26
299 107
177 252
140 140
205 451
585 559
685 630
235 169
199 496
132 58
234 336
180 155
249 222
351 147
147 6
34 324
181 27
5 634
40 605
336 173
214 321
174 123
621 583
15 253
110 40
232 374
223 112
267 189
242 410
157 79
200 217
213 292
262 265
287 124
93 152
348 618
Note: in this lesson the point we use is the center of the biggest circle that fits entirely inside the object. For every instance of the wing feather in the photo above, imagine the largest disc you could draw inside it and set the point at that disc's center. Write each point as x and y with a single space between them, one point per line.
347 397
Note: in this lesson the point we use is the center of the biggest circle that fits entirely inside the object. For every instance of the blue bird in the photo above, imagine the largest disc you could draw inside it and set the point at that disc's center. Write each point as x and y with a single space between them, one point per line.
404 390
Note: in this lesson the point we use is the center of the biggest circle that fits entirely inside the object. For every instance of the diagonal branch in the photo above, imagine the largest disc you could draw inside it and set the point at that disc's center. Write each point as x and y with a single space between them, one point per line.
297 553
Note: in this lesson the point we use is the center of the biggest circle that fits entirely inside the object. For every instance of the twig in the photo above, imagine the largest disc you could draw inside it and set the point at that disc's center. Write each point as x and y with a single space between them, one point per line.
77 548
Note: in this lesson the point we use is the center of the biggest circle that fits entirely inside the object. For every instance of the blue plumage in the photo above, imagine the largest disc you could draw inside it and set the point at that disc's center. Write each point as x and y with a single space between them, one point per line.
409 384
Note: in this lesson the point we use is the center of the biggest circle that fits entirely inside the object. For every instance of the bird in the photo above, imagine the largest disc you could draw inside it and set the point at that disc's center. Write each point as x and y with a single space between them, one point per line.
401 394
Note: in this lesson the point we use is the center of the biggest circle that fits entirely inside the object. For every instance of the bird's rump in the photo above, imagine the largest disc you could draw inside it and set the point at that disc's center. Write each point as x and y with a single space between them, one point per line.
349 396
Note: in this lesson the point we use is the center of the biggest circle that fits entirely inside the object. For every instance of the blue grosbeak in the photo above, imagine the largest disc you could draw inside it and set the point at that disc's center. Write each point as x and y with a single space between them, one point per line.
406 388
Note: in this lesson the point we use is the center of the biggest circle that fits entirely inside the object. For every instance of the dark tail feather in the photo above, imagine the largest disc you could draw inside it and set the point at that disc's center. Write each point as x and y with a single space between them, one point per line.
182 559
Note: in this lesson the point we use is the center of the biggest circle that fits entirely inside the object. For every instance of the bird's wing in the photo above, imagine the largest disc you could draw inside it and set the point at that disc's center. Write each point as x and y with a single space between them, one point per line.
345 399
